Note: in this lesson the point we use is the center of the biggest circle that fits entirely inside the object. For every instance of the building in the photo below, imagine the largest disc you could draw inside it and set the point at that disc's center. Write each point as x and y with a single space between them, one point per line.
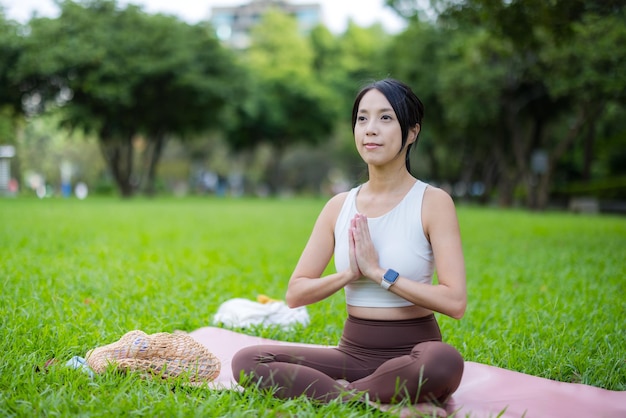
234 23
7 185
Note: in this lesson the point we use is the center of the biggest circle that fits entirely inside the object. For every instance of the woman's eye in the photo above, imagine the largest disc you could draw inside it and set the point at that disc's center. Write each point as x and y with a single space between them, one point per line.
386 117
360 118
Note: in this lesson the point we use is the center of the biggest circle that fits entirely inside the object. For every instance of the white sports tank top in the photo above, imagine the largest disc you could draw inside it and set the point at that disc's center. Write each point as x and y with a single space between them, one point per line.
400 241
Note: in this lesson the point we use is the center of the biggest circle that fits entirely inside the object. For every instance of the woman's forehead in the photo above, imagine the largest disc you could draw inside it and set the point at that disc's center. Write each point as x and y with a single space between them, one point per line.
374 100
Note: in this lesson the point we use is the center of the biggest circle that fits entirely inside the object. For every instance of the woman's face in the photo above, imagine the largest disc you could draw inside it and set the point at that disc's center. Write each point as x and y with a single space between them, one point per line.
377 132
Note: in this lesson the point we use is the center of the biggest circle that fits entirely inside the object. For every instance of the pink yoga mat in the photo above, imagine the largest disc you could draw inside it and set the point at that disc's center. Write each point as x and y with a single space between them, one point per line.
485 391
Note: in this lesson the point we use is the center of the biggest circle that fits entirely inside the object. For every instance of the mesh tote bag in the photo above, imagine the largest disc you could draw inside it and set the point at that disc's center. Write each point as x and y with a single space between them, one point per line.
162 355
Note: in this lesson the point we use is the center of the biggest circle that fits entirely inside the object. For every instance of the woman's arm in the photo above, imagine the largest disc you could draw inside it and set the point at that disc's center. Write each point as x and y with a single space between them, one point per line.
306 286
441 227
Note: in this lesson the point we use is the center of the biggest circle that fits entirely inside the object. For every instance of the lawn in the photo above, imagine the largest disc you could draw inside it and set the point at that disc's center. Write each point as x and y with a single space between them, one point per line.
546 296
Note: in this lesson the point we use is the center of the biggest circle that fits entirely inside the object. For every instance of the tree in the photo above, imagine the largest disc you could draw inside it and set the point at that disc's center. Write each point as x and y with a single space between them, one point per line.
507 84
591 76
421 66
285 104
345 63
123 73
10 95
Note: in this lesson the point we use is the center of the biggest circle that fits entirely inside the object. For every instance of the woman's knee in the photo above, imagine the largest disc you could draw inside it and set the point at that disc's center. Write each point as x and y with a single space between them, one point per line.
452 363
443 352
244 361
442 365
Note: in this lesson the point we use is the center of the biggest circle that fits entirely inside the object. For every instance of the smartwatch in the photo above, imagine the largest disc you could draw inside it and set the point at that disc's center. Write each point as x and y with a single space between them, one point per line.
389 278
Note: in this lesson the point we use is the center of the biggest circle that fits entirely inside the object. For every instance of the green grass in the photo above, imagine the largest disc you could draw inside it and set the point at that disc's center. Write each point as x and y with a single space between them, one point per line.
546 296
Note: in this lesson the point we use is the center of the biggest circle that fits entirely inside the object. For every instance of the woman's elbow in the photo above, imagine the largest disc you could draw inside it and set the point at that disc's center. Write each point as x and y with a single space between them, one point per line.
458 310
292 299
289 300
458 314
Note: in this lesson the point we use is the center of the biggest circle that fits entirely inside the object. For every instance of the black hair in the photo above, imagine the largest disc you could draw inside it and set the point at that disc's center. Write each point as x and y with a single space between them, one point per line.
408 107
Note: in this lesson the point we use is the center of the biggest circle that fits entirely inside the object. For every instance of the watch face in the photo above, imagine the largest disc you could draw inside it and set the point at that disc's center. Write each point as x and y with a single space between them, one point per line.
391 276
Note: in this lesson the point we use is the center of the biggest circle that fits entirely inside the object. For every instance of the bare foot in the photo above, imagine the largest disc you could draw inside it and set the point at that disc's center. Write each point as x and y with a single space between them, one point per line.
342 382
417 410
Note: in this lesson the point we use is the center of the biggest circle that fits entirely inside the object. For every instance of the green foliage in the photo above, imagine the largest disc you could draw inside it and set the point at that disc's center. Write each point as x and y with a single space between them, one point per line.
510 78
10 95
545 296
278 50
360 50
500 81
129 71
613 188
285 103
602 72
9 123
122 72
10 51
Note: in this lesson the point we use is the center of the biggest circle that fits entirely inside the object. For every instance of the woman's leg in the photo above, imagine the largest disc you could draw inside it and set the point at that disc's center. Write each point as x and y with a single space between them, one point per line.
432 372
294 371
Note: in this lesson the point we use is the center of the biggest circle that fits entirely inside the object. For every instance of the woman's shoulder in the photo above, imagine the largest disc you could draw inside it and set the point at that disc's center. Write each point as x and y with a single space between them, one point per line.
331 210
336 202
434 197
438 205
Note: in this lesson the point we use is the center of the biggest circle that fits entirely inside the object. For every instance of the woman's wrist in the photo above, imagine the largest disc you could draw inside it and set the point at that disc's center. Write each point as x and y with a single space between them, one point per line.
349 276
376 274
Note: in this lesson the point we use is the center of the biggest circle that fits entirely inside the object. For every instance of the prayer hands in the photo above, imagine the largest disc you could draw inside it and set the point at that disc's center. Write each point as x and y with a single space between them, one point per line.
363 254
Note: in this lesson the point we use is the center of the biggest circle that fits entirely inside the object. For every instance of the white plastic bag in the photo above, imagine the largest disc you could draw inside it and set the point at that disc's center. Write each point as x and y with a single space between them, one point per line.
244 313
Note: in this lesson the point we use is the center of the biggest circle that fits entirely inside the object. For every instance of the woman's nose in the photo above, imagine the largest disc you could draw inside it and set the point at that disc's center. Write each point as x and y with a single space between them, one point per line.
370 129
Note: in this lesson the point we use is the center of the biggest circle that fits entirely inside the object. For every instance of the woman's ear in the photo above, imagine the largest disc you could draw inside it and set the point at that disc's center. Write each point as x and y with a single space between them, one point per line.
413 133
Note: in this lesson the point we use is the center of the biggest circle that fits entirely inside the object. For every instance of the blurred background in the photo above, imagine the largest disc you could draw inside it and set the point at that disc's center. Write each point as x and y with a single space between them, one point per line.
525 99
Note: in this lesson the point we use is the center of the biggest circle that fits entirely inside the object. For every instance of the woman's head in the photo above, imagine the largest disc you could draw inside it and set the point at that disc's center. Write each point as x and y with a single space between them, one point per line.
407 106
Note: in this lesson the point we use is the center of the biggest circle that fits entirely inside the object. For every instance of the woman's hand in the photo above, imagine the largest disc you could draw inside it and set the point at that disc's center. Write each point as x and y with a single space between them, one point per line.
306 285
354 265
363 254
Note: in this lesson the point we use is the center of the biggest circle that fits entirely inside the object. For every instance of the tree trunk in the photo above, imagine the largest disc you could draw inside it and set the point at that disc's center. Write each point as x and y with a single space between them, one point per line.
155 149
489 175
543 188
588 153
521 140
273 175
118 154
587 112
505 176
506 191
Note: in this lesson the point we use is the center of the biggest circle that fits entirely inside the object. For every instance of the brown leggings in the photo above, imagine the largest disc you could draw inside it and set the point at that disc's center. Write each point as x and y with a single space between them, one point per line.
389 360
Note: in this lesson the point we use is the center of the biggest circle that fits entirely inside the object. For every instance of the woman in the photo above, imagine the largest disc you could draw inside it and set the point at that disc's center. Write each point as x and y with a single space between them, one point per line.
387 236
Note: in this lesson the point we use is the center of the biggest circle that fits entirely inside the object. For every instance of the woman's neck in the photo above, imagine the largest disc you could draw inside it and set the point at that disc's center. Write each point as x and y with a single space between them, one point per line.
389 180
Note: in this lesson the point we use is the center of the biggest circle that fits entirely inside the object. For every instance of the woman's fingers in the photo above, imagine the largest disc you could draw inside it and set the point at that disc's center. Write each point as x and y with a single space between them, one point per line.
365 253
354 266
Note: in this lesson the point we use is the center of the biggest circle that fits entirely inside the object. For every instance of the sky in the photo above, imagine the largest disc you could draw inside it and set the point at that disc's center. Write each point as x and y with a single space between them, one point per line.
335 12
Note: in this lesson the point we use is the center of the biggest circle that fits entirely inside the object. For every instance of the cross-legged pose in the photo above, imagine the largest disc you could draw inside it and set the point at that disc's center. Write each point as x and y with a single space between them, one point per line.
387 236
